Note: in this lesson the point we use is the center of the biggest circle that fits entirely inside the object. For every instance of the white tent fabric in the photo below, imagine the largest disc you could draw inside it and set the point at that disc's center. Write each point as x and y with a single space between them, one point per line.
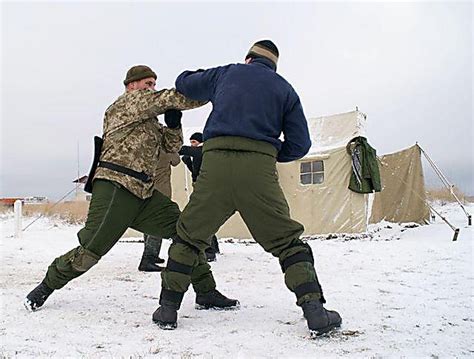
335 131
327 206
403 196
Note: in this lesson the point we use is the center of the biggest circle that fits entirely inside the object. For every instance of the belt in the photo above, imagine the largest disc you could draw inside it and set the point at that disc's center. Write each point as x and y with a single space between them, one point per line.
142 176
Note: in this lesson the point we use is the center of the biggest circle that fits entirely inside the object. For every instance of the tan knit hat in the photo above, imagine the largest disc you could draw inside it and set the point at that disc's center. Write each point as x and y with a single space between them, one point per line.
266 49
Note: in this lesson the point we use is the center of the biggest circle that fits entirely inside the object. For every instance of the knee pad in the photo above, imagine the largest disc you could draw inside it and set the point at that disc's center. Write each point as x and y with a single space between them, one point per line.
173 266
304 256
83 259
308 287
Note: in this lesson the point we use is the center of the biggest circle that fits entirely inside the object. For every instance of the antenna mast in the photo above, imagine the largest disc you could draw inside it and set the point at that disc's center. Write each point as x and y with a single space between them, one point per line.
78 171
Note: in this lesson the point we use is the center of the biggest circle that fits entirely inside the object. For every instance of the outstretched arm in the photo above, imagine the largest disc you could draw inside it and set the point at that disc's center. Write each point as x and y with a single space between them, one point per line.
200 84
153 103
144 105
189 151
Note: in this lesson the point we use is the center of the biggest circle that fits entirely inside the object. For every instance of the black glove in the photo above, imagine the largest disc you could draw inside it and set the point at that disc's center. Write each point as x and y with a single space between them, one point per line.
173 118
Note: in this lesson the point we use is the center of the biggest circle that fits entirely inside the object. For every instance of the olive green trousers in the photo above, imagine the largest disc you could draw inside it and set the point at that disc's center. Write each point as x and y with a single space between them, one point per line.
239 174
112 210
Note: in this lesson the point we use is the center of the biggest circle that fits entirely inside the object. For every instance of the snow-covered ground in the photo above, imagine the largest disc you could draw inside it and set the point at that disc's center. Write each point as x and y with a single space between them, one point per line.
402 293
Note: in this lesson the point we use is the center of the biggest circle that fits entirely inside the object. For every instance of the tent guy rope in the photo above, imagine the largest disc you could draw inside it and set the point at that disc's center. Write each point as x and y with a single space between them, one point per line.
445 181
456 230
43 214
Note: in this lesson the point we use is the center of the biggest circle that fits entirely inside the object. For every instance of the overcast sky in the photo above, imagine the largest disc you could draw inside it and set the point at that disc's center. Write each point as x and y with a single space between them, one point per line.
408 66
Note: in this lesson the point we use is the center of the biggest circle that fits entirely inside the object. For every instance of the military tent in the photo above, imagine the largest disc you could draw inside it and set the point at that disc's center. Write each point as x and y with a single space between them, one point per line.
316 186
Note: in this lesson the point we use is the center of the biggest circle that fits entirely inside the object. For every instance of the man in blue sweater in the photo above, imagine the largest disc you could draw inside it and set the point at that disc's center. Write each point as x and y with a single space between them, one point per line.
252 107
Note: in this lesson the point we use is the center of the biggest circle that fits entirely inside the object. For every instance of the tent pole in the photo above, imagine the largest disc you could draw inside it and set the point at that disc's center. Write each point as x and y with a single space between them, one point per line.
448 185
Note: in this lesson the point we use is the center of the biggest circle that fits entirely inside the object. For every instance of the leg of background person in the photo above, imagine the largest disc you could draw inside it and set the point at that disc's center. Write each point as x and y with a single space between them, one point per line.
212 250
215 244
151 254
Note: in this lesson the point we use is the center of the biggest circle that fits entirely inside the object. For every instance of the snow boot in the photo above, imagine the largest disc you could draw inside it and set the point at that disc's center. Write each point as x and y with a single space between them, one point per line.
215 244
210 254
151 254
212 251
166 316
215 300
320 320
147 264
36 298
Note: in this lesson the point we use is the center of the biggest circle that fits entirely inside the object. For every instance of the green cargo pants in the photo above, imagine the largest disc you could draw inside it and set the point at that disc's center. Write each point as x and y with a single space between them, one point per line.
239 174
112 210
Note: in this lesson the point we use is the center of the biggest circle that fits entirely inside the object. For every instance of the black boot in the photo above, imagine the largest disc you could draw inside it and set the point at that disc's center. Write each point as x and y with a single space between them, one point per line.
151 254
215 300
210 254
166 316
320 320
36 298
215 244
147 264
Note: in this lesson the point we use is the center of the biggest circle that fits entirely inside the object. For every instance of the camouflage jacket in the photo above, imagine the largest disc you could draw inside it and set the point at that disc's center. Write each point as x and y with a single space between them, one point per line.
133 137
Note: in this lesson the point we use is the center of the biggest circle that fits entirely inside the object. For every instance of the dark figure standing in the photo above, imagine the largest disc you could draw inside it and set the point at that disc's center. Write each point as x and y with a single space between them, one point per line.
252 107
192 157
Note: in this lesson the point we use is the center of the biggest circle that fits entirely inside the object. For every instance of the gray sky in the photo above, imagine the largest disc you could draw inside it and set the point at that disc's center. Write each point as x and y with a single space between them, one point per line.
408 66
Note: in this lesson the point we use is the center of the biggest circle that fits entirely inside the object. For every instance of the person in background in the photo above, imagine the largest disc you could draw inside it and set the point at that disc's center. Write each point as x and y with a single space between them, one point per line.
152 244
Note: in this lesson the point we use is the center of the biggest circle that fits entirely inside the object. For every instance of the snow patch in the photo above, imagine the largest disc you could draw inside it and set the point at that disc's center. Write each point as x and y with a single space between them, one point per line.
401 291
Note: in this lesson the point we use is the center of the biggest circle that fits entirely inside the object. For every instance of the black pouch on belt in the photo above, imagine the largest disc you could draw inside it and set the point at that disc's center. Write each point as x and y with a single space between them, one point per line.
98 141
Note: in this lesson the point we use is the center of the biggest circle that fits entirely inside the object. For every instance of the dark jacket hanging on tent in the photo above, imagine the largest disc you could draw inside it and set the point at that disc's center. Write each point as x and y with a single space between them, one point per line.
365 176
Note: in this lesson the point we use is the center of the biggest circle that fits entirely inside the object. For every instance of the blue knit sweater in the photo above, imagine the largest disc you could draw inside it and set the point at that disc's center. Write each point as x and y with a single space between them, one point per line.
252 101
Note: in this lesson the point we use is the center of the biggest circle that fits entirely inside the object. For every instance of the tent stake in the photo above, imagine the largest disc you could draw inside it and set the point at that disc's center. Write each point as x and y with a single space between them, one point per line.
456 233
456 230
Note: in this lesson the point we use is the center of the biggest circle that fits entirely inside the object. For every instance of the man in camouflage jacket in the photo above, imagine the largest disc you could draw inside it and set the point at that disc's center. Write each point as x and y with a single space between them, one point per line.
123 195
